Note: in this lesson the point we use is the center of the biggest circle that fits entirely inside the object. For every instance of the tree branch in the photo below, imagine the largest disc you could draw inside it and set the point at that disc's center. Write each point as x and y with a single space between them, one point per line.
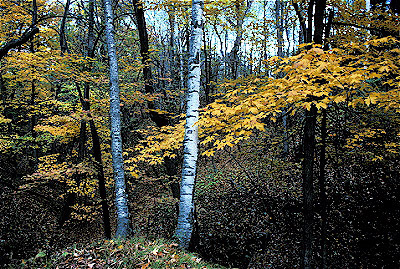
301 19
27 35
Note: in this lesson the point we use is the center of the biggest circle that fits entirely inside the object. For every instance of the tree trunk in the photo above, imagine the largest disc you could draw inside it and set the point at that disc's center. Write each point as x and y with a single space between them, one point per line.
95 137
279 26
186 205
172 53
281 54
310 15
70 196
234 54
322 164
309 141
100 176
207 70
322 190
63 40
319 20
181 56
307 174
159 119
33 88
121 200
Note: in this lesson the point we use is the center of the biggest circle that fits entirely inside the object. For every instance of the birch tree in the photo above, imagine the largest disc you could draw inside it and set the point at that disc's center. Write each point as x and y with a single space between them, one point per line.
190 143
115 116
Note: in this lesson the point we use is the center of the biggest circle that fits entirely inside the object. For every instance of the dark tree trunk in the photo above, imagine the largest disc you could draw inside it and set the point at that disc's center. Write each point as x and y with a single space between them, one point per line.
95 137
322 164
172 50
322 190
3 91
309 140
319 20
71 196
281 54
33 92
158 119
307 174
63 40
234 54
100 176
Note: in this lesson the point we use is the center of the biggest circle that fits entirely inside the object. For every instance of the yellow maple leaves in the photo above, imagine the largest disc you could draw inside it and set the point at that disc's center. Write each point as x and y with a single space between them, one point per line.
315 76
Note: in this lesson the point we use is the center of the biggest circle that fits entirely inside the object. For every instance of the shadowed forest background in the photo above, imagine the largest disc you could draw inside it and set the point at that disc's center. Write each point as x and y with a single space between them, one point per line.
299 133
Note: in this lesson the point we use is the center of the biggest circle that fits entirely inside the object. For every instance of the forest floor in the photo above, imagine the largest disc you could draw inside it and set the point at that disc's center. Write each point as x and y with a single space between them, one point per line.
133 253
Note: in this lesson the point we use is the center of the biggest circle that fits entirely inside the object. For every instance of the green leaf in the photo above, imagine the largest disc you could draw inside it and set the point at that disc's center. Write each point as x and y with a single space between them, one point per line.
40 254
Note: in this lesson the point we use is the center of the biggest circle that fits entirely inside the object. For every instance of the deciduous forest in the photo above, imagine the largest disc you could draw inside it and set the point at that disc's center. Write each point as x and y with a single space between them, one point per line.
199 134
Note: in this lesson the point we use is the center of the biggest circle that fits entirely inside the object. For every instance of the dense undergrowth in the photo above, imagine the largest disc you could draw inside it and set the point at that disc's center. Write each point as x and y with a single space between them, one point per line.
249 215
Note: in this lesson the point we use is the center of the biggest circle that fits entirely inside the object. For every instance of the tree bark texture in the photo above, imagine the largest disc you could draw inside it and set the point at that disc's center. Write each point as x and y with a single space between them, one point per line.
144 45
121 200
172 49
207 70
186 205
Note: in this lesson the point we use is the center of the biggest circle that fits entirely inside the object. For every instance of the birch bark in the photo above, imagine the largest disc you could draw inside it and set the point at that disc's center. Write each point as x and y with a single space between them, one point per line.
186 205
115 117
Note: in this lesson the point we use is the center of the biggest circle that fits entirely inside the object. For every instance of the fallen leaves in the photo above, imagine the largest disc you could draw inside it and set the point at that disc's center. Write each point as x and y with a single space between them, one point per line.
136 253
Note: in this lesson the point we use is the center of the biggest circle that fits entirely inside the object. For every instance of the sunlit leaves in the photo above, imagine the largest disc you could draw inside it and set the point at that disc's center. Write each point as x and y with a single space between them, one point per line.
65 127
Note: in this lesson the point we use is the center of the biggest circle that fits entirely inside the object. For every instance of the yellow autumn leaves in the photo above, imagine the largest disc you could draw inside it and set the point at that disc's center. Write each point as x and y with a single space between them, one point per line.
364 74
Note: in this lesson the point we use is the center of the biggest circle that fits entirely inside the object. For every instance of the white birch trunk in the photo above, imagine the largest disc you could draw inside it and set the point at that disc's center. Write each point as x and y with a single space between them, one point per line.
116 141
186 205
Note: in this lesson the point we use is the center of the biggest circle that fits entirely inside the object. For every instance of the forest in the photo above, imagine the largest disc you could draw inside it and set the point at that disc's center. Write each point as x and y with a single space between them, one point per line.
200 134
